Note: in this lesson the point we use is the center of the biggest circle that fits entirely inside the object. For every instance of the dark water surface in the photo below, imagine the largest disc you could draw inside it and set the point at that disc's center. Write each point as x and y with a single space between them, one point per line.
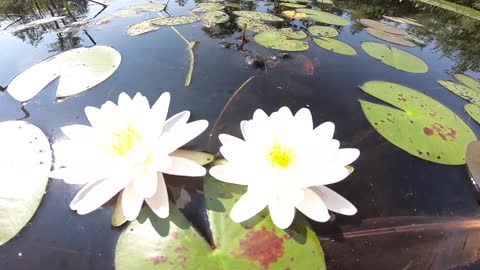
391 188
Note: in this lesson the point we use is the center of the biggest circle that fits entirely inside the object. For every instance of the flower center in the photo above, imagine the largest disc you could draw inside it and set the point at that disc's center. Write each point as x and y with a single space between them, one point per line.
125 140
280 155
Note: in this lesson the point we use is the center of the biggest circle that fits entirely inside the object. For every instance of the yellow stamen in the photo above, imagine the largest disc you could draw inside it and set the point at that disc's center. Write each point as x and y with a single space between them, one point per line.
280 155
125 140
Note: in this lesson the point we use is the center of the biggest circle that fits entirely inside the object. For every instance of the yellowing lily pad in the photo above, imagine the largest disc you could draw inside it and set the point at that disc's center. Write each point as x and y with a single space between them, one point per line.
462 91
322 31
79 70
474 111
397 39
383 27
25 162
292 5
276 40
417 123
468 81
324 17
258 16
253 25
205 7
335 46
288 32
176 20
294 15
395 58
136 10
142 27
215 17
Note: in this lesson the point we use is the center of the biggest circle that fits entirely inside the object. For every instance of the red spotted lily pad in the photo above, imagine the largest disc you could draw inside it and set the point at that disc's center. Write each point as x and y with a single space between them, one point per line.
161 244
417 123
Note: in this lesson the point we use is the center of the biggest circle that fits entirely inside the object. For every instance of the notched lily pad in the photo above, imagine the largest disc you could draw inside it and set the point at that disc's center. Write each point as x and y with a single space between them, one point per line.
462 91
335 46
474 111
253 25
383 27
417 123
215 17
258 16
397 39
276 40
288 32
322 31
324 17
176 20
294 15
394 57
205 7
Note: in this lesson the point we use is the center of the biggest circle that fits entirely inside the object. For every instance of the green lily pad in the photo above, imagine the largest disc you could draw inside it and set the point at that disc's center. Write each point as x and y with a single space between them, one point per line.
176 20
417 123
253 25
142 27
276 40
258 16
205 7
233 5
79 70
335 46
324 17
383 27
414 39
397 39
468 81
24 168
292 5
159 244
474 111
288 32
330 2
394 57
403 20
322 31
215 17
126 13
462 91
297 1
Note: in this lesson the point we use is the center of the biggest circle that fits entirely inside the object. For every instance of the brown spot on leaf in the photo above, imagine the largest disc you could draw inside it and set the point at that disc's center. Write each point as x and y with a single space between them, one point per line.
262 246
181 249
158 259
428 131
175 235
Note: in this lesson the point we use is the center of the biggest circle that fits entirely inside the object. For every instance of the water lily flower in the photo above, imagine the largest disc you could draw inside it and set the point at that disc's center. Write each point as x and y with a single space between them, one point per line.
286 164
128 147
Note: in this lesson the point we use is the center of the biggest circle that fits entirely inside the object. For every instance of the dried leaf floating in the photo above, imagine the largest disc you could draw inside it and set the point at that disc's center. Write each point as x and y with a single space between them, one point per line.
397 39
322 31
474 111
276 40
403 20
294 15
205 7
25 163
258 16
324 17
335 46
417 123
79 70
395 58
383 27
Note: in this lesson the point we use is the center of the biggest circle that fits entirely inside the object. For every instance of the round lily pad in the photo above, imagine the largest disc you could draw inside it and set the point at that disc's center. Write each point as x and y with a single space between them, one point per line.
468 81
288 32
215 16
397 39
383 27
25 162
258 16
292 5
462 91
395 58
322 31
335 46
79 70
142 28
474 111
176 20
294 15
205 7
417 123
324 17
253 25
276 40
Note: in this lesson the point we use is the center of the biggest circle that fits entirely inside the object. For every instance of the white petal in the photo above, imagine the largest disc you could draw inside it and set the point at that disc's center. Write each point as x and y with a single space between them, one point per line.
304 118
178 119
79 132
182 136
159 202
131 202
260 115
229 139
334 201
80 175
313 206
141 102
226 173
244 129
247 206
284 113
146 184
282 213
94 116
124 101
325 176
160 109
325 131
185 167
345 156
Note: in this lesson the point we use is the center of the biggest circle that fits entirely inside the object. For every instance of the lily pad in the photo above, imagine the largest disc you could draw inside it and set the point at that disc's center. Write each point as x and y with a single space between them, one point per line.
258 16
216 17
417 123
462 91
288 32
294 15
253 25
414 39
142 27
383 27
403 20
395 58
397 39
297 1
322 31
205 7
136 10
25 163
176 20
468 81
474 111
292 5
233 5
276 40
35 23
156 244
126 13
79 70
335 46
324 17
330 2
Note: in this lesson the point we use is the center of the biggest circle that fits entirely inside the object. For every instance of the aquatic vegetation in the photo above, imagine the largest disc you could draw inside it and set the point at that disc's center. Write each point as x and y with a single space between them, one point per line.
205 7
25 164
256 15
395 58
474 111
175 20
468 81
35 23
253 25
324 17
142 27
78 70
403 20
136 10
383 27
294 15
215 17
292 5
335 46
417 123
288 32
397 39
462 91
276 40
322 31
414 39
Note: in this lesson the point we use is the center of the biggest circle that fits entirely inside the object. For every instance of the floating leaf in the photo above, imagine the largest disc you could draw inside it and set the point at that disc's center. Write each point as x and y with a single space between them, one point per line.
294 15
276 40
292 5
176 20
253 25
205 7
126 13
25 165
35 23
335 46
134 11
288 32
233 5
414 39
158 244
325 2
395 58
397 39
474 111
142 27
118 217
324 17
258 16
383 27
297 1
215 17
79 70
200 158
215 1
468 81
322 31
403 20
419 124
462 91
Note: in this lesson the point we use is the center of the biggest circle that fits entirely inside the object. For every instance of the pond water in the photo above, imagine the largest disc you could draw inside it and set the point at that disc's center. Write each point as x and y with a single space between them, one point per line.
391 188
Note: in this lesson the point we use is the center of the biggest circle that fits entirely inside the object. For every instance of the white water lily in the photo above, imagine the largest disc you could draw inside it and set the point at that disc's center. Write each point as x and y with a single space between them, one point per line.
285 162
127 147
